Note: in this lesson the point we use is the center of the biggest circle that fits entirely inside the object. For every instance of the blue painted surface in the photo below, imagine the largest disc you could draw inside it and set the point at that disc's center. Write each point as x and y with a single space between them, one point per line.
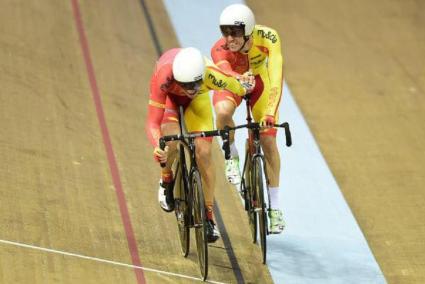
322 242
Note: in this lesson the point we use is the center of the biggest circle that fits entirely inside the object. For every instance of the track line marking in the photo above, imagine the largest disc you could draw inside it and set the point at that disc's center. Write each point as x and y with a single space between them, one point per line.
113 167
17 244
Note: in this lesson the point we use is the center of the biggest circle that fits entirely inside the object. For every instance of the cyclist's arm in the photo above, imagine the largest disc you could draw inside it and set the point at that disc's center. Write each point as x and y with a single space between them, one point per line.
218 55
156 108
216 79
227 67
275 70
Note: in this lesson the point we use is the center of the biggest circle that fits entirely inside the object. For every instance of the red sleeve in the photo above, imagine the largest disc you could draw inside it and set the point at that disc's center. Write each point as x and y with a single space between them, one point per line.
160 82
219 55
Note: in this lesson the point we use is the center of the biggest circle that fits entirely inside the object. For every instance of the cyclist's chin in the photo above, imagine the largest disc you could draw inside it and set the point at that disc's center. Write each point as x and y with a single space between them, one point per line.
234 46
191 93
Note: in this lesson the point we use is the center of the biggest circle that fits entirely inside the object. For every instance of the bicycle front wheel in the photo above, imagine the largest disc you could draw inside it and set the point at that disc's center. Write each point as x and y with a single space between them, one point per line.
260 205
182 210
249 196
200 223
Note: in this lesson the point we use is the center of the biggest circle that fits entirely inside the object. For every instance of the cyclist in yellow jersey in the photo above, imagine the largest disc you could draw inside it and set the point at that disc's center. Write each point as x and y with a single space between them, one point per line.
248 50
183 77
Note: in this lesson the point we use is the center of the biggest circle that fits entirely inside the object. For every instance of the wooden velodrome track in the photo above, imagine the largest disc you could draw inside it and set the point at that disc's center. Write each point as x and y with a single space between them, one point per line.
77 174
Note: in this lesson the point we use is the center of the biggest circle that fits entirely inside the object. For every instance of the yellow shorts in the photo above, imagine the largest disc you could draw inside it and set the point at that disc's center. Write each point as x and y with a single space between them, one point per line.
198 114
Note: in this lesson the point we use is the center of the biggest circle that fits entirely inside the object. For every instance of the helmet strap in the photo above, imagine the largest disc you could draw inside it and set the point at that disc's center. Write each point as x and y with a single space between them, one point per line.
245 41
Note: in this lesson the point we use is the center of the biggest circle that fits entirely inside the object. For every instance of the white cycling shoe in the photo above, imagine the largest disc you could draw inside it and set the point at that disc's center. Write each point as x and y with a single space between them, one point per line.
233 173
277 224
165 196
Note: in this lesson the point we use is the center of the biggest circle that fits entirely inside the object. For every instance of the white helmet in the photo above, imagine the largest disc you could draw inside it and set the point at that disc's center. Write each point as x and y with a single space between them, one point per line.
238 15
188 65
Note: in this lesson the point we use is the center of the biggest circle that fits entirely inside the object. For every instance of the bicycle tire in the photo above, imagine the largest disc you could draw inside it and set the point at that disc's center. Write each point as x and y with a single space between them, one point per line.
182 210
260 207
200 223
249 198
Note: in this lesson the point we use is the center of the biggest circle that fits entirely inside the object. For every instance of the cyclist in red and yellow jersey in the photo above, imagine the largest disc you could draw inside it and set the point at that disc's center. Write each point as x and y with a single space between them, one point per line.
246 50
183 77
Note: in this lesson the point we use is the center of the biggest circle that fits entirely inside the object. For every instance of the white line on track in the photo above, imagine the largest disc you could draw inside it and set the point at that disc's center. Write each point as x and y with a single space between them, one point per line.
104 261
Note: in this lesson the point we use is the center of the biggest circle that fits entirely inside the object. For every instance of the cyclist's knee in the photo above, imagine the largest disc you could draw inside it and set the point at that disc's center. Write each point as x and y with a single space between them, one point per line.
268 143
203 149
172 146
224 109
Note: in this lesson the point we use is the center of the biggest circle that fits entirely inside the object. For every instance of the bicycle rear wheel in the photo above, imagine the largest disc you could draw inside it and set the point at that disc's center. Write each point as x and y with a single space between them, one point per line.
200 223
260 207
182 210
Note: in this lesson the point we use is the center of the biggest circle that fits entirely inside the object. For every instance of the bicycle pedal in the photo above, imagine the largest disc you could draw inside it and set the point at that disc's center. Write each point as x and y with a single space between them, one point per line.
180 218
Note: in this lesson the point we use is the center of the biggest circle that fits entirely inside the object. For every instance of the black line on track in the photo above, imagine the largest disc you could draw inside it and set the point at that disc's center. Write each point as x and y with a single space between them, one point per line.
151 27
225 237
228 245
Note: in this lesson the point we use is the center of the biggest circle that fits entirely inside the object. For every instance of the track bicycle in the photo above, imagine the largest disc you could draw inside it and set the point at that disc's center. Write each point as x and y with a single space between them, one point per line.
255 183
189 206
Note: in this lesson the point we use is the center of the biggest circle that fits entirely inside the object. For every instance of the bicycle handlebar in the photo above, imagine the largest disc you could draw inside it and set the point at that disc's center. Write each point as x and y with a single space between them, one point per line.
256 125
224 134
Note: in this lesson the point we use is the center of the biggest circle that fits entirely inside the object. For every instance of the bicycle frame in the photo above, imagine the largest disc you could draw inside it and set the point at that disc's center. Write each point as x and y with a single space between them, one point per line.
186 141
193 197
254 146
252 185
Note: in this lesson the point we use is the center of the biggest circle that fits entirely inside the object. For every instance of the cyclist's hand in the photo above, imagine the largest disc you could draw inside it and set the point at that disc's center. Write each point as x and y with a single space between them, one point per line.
160 155
250 78
267 121
248 81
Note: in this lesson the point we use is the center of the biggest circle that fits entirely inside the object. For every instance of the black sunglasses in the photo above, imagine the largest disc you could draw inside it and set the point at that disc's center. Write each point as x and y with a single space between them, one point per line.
232 30
190 85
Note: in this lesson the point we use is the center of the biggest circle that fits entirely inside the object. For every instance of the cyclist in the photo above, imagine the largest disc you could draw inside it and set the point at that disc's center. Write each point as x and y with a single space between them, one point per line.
246 50
183 77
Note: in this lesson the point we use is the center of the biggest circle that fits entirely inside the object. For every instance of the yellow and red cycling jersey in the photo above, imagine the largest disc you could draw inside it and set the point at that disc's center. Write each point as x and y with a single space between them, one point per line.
264 59
166 96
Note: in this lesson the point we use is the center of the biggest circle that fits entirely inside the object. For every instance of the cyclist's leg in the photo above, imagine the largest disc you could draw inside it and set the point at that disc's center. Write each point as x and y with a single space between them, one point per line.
198 117
271 154
259 102
272 157
225 104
